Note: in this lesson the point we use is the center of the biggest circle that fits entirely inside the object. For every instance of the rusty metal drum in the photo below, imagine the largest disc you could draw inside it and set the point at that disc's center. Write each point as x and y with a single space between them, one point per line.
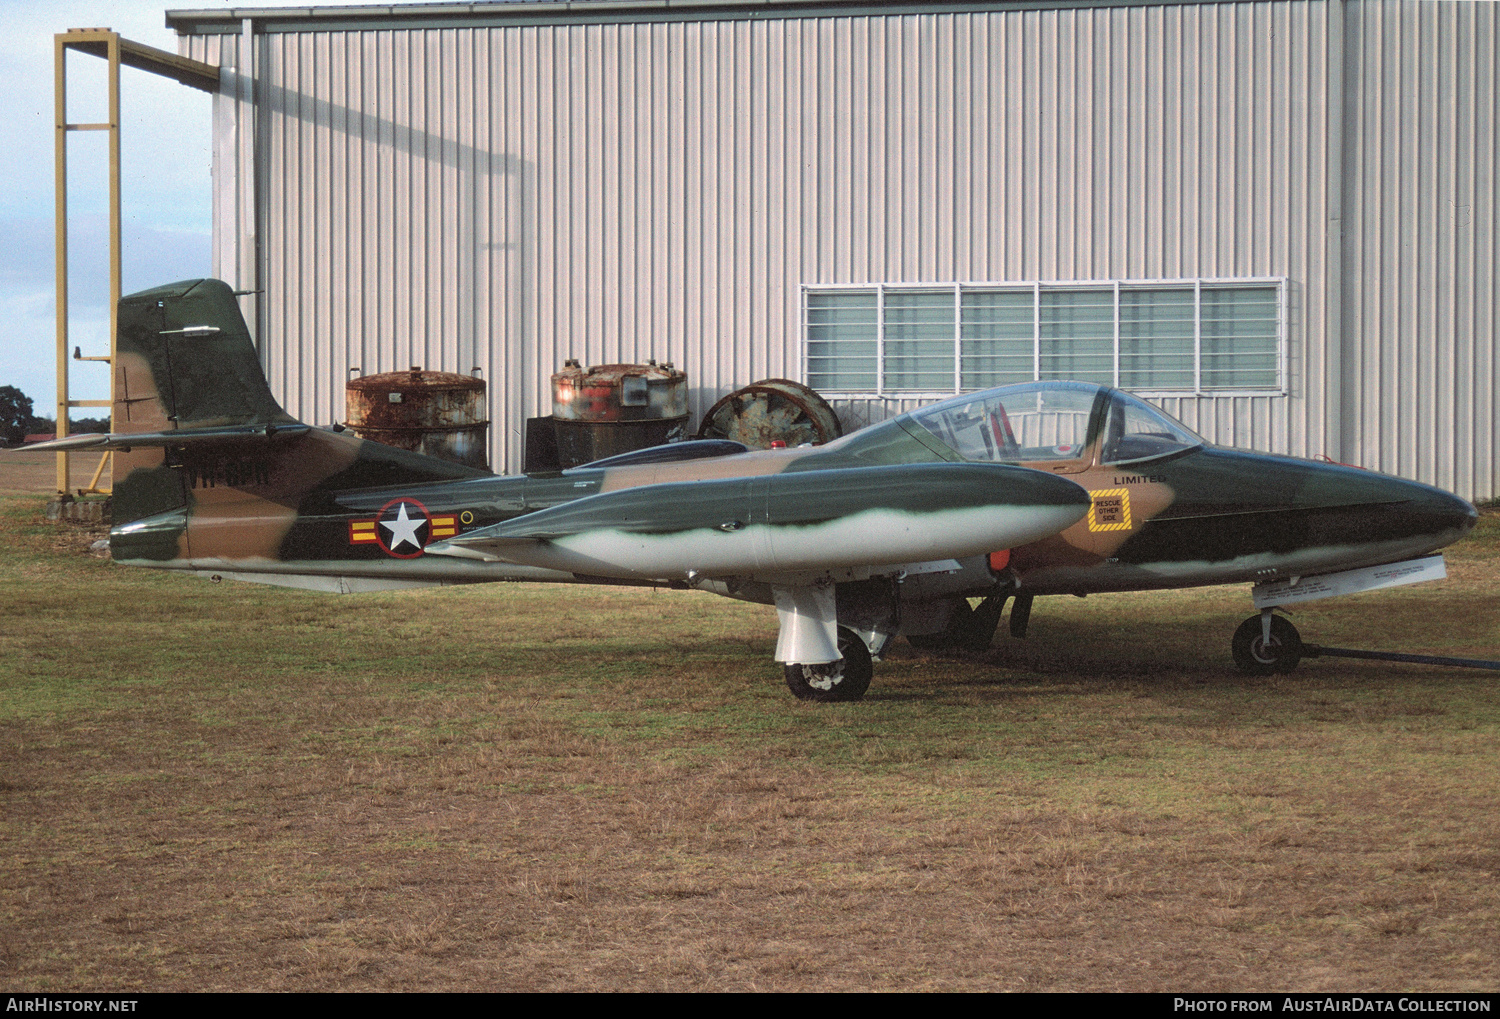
441 414
616 408
772 412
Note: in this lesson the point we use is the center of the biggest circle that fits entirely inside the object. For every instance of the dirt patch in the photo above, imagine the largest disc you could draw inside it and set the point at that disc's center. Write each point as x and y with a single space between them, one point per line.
26 473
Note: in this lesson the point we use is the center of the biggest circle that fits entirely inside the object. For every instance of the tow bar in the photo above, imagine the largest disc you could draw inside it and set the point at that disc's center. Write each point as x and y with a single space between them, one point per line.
1319 651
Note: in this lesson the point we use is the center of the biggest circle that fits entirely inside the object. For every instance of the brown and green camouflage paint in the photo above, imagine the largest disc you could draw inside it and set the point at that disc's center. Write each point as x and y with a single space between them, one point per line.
186 363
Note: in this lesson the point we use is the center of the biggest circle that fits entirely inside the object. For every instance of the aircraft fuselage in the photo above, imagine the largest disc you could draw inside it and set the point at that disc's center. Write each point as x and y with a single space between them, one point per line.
1038 488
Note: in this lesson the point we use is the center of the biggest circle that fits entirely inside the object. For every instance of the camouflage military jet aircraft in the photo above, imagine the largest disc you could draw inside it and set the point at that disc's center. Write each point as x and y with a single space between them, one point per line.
1032 489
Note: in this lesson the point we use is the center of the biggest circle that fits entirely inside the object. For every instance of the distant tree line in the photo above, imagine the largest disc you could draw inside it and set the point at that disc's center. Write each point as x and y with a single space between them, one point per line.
17 420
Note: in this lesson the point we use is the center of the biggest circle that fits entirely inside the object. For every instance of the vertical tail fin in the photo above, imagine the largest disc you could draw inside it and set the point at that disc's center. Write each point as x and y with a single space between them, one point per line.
184 359
219 471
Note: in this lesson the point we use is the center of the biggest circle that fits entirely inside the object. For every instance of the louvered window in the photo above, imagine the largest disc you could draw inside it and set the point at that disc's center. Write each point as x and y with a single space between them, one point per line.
1165 337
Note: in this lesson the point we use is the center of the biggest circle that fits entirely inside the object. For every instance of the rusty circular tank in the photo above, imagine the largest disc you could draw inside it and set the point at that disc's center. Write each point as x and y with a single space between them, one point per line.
616 408
772 411
441 414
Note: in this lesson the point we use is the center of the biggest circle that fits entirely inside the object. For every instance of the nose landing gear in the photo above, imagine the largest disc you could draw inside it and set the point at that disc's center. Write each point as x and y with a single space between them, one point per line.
1265 645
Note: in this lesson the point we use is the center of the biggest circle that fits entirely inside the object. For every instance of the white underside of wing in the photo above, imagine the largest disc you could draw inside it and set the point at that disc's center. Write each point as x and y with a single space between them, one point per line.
872 538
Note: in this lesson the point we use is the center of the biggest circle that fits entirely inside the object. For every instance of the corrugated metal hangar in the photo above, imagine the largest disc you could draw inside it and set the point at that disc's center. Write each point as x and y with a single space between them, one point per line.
1275 219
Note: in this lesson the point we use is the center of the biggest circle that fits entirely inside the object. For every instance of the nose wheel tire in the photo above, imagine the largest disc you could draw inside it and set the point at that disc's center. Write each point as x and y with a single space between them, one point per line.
1257 657
844 680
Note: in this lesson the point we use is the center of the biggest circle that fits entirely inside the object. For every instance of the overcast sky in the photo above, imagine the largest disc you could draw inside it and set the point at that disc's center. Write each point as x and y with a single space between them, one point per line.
165 188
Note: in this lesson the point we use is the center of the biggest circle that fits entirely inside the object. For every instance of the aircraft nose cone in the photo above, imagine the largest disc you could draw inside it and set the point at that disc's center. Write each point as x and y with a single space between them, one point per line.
1444 511
1417 510
1399 517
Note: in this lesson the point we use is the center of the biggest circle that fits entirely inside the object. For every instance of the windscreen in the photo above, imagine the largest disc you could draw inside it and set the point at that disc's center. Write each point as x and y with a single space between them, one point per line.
1034 421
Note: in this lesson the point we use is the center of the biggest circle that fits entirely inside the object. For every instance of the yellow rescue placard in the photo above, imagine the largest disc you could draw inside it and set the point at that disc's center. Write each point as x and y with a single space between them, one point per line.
1109 509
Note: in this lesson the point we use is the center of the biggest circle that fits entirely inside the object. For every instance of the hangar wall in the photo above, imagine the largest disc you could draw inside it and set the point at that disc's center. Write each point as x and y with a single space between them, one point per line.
1420 223
530 182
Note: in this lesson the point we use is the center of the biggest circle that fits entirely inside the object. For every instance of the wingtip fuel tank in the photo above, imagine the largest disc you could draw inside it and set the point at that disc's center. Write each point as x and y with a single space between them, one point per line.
784 524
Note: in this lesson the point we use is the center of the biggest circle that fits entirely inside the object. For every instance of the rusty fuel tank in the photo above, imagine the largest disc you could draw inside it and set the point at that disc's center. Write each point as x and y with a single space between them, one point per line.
616 408
440 414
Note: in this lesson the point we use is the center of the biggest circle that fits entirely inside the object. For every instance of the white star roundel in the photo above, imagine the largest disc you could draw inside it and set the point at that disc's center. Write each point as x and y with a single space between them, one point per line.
403 528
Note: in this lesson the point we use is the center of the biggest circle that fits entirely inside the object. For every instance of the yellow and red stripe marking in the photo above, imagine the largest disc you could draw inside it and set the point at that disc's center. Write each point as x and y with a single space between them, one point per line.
367 532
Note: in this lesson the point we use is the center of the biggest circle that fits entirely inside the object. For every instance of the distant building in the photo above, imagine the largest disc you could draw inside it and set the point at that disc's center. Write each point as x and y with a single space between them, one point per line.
1274 219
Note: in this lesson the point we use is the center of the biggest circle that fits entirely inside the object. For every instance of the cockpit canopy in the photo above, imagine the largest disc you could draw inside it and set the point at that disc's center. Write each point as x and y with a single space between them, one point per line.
1050 421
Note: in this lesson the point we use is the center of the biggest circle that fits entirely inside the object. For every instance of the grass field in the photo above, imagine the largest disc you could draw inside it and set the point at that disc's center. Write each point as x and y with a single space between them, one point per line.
518 787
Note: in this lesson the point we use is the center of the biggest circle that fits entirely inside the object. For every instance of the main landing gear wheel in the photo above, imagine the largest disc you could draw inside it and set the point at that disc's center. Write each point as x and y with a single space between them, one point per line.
951 639
1253 655
844 680
970 631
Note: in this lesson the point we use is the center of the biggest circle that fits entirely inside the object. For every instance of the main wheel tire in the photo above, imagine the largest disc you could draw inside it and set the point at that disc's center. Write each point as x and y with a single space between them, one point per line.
1253 655
844 680
954 638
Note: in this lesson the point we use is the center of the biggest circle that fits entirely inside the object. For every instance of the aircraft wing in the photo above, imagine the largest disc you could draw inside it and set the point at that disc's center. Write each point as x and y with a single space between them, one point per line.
791 523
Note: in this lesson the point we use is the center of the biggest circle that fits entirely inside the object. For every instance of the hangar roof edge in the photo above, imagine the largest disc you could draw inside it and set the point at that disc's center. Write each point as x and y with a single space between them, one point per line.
219 21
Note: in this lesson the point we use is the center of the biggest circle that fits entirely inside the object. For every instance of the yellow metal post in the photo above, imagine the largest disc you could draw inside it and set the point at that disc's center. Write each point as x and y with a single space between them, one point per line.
116 252
61 44
60 189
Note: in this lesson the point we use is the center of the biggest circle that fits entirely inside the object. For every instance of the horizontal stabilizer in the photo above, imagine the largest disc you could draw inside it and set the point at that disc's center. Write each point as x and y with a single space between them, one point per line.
227 435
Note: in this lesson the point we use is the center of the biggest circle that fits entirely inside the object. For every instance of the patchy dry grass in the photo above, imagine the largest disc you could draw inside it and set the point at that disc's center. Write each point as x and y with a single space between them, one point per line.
515 787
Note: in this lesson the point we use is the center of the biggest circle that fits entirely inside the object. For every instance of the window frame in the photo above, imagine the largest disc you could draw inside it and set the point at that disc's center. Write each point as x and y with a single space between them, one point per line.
1036 288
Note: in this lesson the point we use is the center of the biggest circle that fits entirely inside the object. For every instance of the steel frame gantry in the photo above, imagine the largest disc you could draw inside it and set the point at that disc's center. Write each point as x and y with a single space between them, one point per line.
100 42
